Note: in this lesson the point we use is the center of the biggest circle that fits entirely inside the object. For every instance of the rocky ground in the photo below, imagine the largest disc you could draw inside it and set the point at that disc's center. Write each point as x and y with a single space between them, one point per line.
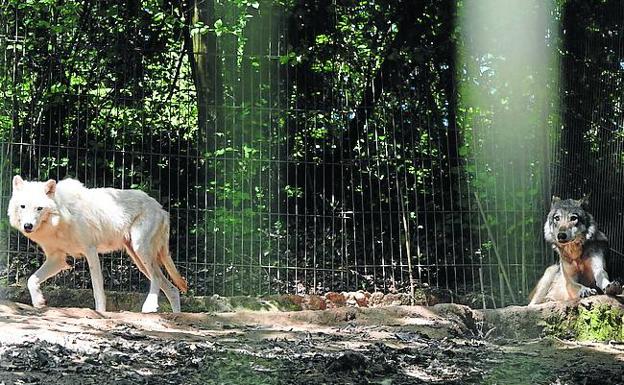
443 344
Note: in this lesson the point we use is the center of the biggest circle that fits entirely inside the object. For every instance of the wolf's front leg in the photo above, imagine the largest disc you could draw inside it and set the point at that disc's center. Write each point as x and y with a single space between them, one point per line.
576 290
602 278
97 281
585 291
52 265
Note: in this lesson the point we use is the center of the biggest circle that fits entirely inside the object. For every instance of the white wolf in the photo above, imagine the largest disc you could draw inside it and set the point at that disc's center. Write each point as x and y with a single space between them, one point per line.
66 218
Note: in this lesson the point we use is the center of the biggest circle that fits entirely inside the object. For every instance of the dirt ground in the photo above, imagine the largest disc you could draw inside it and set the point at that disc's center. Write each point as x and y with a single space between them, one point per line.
393 345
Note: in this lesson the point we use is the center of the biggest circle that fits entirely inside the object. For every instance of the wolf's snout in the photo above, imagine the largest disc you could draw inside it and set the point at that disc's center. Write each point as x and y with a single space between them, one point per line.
562 236
28 227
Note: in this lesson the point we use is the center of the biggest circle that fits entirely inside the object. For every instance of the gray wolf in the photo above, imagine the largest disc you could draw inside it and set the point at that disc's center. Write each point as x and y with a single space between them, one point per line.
573 234
68 219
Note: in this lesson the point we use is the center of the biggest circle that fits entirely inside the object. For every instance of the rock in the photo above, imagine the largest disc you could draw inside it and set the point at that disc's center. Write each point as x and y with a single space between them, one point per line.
333 300
395 299
349 362
357 298
361 298
296 299
376 299
313 302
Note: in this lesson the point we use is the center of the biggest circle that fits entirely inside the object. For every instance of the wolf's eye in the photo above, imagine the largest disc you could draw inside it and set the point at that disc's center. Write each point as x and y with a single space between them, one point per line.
573 218
39 208
556 218
22 206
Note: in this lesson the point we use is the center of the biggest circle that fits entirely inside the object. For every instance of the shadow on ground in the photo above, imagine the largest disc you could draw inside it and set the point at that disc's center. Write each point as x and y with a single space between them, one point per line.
447 344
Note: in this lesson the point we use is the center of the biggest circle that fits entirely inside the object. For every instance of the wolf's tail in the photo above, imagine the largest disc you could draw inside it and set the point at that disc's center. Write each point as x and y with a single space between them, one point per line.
164 257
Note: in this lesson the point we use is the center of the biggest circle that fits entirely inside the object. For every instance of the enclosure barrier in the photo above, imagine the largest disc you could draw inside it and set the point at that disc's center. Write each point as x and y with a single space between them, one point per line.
307 147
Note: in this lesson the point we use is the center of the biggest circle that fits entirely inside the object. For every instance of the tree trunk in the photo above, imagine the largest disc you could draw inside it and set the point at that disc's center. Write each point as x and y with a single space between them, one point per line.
203 53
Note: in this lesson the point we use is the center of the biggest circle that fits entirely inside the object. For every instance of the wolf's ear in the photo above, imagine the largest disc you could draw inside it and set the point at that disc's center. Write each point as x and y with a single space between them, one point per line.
50 187
584 201
554 200
18 182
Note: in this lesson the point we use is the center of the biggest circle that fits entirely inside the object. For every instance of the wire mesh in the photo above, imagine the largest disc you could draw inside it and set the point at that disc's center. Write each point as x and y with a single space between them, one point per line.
295 152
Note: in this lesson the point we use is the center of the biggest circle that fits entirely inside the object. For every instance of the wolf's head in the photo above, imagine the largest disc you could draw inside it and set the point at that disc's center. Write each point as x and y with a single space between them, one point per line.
31 204
568 221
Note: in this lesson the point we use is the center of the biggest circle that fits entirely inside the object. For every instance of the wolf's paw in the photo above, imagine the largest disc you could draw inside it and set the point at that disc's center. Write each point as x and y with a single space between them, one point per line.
586 292
39 303
614 288
149 309
151 304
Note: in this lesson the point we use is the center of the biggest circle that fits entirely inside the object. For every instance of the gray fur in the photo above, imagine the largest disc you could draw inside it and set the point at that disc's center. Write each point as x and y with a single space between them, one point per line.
585 226
569 224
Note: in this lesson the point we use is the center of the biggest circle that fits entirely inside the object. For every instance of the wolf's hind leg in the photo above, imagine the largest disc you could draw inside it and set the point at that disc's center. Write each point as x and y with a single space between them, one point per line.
151 302
137 260
97 281
52 265
544 284
142 244
158 281
171 292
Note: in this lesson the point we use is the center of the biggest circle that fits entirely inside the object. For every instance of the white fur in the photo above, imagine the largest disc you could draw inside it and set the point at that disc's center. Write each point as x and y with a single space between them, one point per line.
69 219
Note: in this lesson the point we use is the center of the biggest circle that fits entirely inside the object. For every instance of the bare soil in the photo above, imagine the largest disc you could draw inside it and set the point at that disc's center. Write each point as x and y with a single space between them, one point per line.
444 344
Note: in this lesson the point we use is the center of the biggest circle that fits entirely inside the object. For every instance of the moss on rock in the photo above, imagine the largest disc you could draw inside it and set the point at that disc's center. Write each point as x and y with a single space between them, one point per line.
600 323
593 322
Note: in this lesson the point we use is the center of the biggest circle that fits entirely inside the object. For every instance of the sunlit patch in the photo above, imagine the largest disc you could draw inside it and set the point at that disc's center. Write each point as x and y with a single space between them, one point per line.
509 83
615 348
421 373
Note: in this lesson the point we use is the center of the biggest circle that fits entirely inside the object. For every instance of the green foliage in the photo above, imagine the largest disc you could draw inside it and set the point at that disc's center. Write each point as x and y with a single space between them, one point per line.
600 323
597 322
